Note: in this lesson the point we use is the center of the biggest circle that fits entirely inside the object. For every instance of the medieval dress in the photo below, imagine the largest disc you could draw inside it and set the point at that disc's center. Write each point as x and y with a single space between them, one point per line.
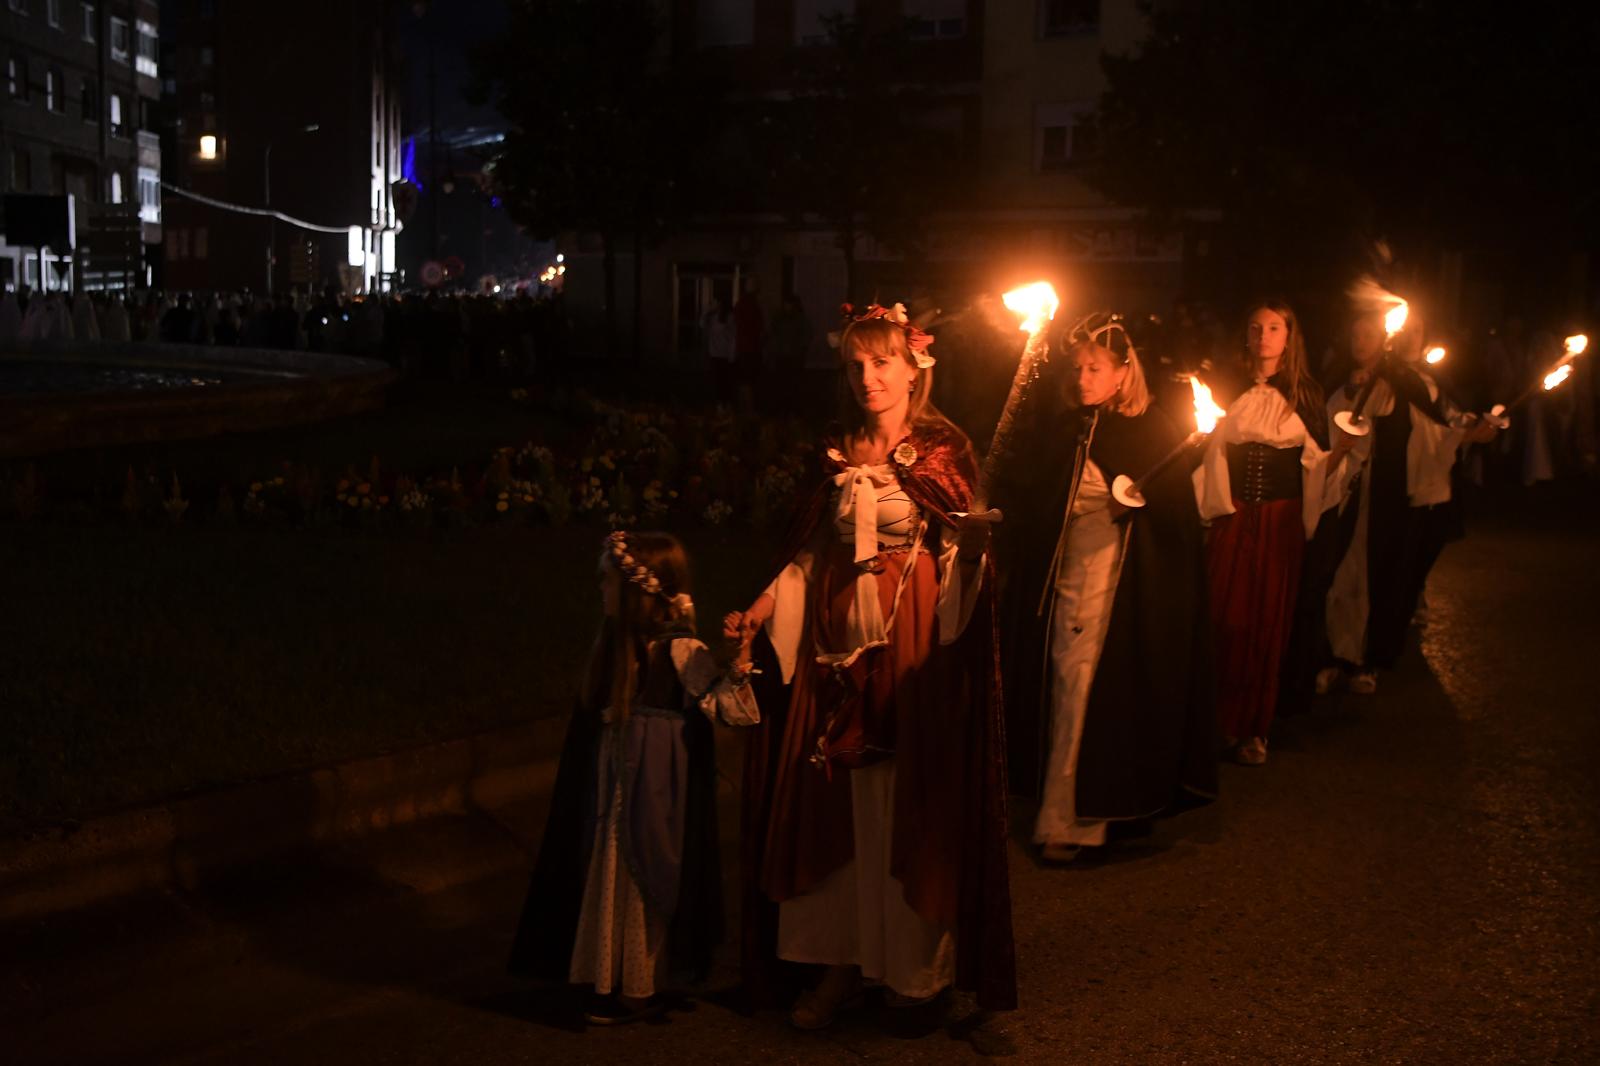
627 884
875 819
1260 488
1373 593
1109 690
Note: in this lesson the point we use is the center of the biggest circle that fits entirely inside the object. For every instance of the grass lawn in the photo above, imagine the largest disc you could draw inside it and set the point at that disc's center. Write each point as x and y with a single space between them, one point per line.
142 663
139 661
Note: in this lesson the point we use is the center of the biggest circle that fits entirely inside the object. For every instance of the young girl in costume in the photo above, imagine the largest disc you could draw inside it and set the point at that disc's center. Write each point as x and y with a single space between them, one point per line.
627 886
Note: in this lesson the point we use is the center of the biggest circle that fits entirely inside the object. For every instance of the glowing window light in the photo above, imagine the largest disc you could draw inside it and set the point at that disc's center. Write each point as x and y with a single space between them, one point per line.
208 146
356 251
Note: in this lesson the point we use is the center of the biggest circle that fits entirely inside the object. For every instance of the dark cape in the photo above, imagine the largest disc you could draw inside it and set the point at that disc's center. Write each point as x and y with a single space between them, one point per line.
680 880
952 845
1149 730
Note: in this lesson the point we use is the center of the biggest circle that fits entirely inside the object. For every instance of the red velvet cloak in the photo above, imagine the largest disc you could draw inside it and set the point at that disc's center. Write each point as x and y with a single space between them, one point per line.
949 845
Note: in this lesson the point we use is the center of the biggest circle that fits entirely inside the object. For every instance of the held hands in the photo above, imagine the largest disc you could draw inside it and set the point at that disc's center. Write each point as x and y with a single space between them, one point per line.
740 627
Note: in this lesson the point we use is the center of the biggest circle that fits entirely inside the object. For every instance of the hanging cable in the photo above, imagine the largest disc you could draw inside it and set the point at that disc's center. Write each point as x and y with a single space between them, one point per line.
264 212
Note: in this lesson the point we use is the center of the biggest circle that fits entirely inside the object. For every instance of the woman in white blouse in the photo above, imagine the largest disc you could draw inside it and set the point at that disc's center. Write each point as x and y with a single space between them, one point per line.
1260 488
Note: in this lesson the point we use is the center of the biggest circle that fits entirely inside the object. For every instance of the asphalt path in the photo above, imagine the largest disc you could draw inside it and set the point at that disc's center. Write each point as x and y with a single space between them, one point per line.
1412 877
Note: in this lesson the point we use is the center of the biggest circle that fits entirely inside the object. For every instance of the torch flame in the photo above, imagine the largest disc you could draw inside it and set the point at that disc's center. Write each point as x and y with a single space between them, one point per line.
1206 411
1577 344
1037 304
1556 376
1435 356
1395 320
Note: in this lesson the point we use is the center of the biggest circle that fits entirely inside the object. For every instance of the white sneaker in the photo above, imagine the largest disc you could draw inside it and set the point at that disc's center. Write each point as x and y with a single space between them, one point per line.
1328 679
1364 683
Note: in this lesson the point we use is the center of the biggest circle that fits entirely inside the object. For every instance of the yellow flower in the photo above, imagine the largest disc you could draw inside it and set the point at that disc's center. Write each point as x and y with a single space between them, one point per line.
255 486
277 481
353 501
341 497
501 506
504 496
367 502
527 499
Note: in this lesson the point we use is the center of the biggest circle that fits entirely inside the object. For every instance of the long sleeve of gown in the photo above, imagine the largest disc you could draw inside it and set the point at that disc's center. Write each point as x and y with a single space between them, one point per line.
707 686
788 620
960 582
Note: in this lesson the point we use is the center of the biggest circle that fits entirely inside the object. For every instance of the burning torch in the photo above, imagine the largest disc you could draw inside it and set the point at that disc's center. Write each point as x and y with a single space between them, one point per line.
1575 346
1353 421
1037 304
1129 491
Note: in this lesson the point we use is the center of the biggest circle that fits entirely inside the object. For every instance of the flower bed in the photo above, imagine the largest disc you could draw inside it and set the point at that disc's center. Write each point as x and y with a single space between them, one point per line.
604 463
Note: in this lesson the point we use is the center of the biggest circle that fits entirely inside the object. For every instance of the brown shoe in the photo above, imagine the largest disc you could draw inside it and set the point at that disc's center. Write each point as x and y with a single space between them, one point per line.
839 988
1252 752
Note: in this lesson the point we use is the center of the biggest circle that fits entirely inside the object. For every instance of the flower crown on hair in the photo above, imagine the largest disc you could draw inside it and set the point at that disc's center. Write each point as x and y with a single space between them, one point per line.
1092 327
641 575
918 340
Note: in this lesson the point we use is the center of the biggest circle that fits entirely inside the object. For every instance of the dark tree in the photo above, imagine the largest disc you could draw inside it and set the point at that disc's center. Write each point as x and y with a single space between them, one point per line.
1320 126
847 148
607 132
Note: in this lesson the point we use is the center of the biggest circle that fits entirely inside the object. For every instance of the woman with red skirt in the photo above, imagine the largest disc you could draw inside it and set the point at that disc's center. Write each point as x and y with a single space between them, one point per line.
1260 488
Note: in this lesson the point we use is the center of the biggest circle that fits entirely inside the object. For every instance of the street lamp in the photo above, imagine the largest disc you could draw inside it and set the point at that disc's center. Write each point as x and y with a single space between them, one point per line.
266 194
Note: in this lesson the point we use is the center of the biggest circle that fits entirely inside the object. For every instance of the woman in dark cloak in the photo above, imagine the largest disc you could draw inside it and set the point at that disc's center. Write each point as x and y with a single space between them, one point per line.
1109 690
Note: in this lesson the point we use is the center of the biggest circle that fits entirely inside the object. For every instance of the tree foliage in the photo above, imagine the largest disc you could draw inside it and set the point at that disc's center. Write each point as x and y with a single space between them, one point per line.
1320 126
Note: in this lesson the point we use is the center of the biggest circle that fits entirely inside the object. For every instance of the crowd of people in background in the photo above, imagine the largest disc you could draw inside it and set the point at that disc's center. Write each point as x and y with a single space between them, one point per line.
753 353
457 336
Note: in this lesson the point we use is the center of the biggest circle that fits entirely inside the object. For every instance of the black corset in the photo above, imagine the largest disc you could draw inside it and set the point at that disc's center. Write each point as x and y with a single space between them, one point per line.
1260 473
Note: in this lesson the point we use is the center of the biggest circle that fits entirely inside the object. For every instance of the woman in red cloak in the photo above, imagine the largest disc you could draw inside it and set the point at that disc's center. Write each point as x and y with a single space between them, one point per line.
874 836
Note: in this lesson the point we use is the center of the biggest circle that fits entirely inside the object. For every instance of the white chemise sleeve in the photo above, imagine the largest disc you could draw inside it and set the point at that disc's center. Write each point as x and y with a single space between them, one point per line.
788 621
706 686
960 581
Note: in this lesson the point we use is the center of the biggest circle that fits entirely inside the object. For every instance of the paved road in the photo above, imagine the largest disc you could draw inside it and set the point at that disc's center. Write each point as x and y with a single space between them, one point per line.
1413 877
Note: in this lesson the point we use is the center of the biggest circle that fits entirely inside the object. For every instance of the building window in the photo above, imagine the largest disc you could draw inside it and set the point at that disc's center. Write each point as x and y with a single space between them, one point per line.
1061 18
21 170
89 101
811 18
208 146
115 103
150 195
89 21
932 19
52 89
17 78
116 187
52 10
198 246
177 243
208 55
1067 136
119 39
724 22
147 62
